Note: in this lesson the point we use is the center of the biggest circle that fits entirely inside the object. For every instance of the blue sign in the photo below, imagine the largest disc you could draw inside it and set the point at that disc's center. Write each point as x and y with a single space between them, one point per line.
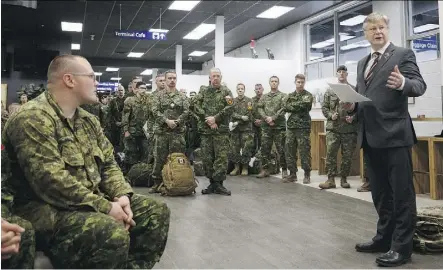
425 44
140 35
107 86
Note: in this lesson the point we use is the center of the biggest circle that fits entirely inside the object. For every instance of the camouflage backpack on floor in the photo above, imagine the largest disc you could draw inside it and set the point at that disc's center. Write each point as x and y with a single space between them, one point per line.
198 168
140 175
178 176
428 237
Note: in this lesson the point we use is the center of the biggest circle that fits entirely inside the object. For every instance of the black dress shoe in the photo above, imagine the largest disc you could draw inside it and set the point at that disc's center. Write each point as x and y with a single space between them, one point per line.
392 258
371 247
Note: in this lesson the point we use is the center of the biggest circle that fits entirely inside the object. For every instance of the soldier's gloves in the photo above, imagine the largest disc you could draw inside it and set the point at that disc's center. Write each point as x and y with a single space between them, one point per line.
251 162
245 118
232 125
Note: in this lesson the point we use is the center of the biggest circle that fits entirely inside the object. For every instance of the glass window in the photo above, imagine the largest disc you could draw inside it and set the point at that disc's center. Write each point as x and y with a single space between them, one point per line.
353 44
423 16
320 70
321 40
426 48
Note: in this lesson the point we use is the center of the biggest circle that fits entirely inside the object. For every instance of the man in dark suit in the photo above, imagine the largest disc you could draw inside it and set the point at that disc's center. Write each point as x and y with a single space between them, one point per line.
388 77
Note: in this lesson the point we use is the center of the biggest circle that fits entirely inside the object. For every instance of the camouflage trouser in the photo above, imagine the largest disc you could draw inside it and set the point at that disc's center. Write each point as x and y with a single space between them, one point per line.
257 140
136 149
298 141
26 256
270 136
214 151
244 142
166 144
117 139
151 145
365 168
89 240
348 142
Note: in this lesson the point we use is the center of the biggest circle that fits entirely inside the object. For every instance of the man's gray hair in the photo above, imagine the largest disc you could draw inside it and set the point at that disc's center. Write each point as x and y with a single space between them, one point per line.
375 17
214 70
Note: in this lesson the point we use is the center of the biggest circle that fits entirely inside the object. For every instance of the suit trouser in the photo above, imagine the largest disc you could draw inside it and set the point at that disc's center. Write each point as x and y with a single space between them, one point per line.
390 176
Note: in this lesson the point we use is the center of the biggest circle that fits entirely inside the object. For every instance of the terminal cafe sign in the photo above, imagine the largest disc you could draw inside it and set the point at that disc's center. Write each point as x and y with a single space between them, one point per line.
146 35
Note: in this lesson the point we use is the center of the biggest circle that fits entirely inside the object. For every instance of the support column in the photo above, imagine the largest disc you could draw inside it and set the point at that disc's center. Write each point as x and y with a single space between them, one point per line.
154 74
178 60
440 16
219 41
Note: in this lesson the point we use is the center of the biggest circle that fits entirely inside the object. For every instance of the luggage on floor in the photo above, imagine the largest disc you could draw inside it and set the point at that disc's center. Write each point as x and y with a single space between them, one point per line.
428 237
178 176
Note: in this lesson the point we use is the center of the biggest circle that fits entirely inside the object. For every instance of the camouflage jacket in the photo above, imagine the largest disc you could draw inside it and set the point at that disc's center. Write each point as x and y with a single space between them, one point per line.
242 107
135 114
170 105
212 102
151 118
271 104
298 105
66 163
92 108
331 104
116 110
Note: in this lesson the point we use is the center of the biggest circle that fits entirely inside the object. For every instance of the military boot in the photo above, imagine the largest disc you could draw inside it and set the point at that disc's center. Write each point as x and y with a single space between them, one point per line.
330 183
366 187
284 173
156 187
344 183
263 174
307 178
291 178
220 189
210 188
236 170
244 171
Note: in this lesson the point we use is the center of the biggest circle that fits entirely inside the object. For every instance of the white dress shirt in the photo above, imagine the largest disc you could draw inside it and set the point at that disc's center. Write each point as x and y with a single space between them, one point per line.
371 61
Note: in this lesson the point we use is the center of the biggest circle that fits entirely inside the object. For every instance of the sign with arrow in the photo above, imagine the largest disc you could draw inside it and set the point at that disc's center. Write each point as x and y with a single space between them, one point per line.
146 35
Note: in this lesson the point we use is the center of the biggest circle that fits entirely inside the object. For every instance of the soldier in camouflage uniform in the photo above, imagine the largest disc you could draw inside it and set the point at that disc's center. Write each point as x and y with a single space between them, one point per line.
135 115
192 135
105 121
242 138
132 85
341 130
365 187
256 127
68 185
115 114
16 232
273 127
93 108
298 134
160 82
213 107
170 109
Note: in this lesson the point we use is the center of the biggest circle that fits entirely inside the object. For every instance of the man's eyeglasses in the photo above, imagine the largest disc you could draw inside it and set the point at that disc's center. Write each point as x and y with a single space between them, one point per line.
92 76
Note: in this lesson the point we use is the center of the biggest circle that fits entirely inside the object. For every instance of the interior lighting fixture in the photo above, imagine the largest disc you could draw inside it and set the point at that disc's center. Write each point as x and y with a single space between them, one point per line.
200 31
98 73
146 72
135 54
115 79
183 5
75 46
329 42
359 19
72 27
198 53
111 69
274 12
159 30
425 27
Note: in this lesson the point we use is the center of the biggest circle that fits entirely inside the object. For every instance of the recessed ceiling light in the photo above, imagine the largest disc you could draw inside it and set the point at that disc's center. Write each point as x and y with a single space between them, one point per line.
75 46
98 73
359 19
72 27
111 69
183 5
150 80
197 53
146 72
200 31
115 79
159 30
148 84
135 54
274 12
425 27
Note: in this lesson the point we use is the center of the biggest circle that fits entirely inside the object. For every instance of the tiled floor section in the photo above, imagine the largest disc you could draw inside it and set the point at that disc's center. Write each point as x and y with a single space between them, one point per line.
267 224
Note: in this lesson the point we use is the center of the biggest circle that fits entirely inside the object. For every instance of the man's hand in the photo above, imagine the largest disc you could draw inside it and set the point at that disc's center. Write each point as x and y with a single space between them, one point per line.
126 206
348 106
117 212
334 116
268 119
127 134
244 118
395 80
171 124
214 126
210 120
257 122
349 119
11 237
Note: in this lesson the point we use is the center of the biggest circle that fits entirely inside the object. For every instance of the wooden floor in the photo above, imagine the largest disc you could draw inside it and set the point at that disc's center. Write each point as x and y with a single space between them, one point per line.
267 224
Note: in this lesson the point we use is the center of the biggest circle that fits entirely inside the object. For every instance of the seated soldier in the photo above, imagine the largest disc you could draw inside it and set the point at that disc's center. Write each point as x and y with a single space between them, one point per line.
70 188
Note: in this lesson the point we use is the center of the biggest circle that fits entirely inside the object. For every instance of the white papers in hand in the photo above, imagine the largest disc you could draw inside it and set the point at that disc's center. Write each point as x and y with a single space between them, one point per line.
346 93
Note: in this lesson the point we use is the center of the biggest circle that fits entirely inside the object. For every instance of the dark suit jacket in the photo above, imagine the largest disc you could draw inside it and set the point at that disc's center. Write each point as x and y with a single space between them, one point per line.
385 120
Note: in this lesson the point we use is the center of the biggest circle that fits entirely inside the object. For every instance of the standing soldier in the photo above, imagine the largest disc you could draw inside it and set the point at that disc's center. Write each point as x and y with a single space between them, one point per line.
160 82
132 86
341 130
170 109
257 119
273 127
242 138
116 110
213 106
133 119
192 136
365 187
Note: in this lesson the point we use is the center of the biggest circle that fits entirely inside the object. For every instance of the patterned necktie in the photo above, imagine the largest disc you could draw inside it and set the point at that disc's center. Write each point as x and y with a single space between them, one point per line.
376 57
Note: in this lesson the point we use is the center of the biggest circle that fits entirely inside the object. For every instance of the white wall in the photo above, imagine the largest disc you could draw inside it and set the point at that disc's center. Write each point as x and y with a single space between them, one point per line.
192 82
